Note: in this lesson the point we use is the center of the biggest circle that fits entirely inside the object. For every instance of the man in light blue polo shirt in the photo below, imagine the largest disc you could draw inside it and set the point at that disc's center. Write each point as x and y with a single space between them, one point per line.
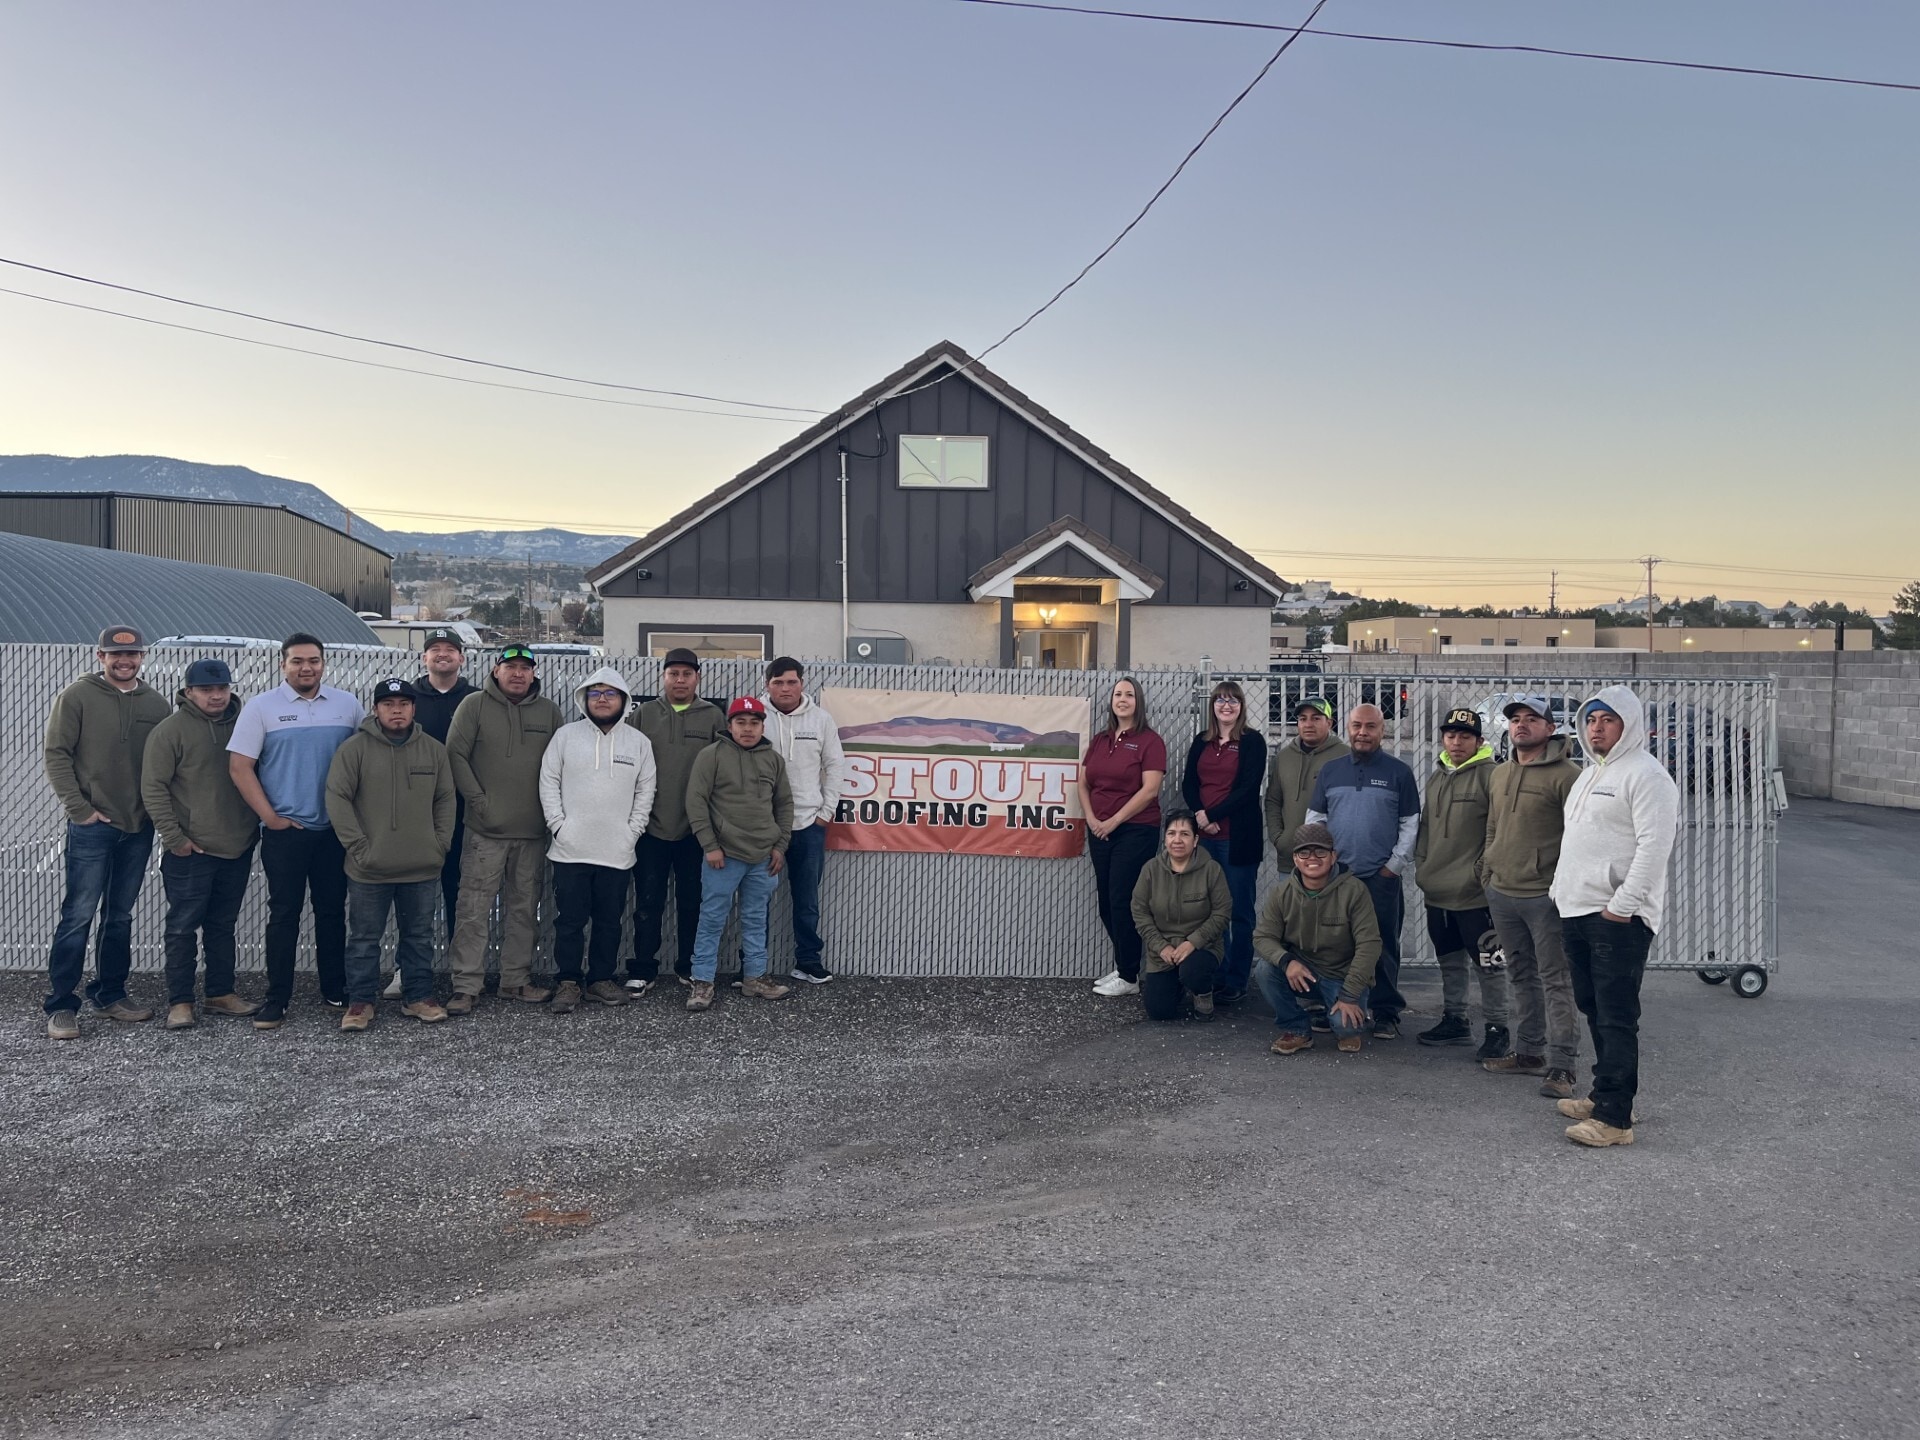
282 746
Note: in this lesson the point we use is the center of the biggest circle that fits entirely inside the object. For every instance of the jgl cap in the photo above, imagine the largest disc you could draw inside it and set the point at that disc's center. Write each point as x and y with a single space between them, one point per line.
1319 704
1462 719
516 652
121 637
445 637
209 672
1313 836
392 690
746 705
1536 703
680 655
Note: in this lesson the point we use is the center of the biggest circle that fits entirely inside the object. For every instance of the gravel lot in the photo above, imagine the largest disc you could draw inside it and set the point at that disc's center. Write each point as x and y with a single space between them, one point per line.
973 1208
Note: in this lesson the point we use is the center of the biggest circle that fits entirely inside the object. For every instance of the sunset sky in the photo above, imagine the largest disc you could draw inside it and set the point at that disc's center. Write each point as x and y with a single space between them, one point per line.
1424 322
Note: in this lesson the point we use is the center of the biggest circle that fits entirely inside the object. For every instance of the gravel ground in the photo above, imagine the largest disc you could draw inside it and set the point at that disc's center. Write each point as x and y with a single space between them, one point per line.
966 1208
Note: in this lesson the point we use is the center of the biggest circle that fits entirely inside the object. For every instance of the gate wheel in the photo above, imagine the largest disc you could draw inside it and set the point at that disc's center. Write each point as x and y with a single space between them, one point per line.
1712 977
1750 983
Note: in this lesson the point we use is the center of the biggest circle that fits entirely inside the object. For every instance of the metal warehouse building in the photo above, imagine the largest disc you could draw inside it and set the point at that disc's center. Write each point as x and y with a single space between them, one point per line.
270 539
53 594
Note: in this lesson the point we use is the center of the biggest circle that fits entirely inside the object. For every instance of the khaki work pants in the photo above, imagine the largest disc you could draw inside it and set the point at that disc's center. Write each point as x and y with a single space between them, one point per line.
515 870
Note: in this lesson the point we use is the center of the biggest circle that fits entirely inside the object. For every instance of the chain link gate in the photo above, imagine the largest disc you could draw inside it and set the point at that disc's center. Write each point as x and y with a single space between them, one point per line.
981 915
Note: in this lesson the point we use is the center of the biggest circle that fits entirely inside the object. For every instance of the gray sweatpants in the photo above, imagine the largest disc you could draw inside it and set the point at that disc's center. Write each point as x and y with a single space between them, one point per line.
1545 1020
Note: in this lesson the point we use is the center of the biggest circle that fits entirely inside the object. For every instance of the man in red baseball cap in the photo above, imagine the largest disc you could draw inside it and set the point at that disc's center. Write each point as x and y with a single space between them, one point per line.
740 805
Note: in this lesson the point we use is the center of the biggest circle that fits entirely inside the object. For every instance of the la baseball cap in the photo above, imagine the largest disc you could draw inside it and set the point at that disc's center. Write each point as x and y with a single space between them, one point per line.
1461 718
746 705
392 689
121 637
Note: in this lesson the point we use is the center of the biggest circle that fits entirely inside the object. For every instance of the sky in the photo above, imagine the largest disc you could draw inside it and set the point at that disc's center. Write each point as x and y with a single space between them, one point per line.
1426 323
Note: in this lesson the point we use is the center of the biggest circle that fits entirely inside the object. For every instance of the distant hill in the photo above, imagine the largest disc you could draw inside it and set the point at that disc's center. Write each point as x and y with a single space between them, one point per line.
158 475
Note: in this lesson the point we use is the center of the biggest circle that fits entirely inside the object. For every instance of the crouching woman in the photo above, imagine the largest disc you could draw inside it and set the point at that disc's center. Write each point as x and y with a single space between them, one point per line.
1317 934
1181 906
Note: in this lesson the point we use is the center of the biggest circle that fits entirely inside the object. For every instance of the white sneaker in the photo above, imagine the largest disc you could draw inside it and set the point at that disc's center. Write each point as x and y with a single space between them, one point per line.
1112 977
1121 987
637 987
393 986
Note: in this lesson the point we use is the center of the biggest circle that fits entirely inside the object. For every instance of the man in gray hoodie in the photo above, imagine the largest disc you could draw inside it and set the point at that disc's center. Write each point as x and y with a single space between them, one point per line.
596 789
1611 892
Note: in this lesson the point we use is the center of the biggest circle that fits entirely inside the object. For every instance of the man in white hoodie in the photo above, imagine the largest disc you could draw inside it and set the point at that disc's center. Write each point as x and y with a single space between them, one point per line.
1611 891
809 741
597 780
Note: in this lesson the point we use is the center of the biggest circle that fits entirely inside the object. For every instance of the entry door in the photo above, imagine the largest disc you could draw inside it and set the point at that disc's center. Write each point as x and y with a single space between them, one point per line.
1053 649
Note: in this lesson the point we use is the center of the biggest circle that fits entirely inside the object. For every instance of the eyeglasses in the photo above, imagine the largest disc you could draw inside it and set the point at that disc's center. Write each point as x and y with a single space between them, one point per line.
603 693
1227 700
1313 852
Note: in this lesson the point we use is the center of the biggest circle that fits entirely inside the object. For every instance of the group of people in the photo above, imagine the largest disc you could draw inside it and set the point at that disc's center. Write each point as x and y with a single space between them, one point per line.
444 796
1544 881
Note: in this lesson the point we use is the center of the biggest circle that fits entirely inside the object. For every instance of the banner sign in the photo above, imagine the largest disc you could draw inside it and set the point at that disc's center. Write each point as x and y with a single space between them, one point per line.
934 771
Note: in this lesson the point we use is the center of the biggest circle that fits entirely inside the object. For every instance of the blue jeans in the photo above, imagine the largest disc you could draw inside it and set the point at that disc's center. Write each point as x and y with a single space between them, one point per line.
1288 1013
806 863
412 904
1390 909
756 884
1236 950
104 869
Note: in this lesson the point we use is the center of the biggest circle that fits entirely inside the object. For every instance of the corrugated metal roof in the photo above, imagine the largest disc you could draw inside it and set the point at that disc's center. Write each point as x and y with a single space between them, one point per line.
52 593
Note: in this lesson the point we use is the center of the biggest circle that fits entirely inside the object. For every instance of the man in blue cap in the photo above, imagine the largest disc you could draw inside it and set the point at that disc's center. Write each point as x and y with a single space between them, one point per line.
207 834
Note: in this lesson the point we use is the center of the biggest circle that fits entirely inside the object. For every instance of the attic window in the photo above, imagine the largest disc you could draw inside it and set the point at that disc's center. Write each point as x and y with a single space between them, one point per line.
943 462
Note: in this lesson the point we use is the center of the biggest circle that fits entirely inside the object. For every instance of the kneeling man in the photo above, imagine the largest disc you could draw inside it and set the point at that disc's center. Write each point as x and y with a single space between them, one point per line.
1317 933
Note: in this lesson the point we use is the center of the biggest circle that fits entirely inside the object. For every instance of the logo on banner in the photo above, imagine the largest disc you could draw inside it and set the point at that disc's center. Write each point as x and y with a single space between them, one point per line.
969 774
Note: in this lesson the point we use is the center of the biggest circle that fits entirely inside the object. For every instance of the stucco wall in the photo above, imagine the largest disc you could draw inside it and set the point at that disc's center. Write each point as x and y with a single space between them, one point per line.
1181 634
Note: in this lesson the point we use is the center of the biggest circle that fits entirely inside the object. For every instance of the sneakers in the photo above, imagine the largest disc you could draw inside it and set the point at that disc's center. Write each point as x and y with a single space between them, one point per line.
1452 1030
1497 1044
459 1004
334 1002
1288 1043
1112 986
1229 997
813 972
229 1005
1386 1027
699 994
761 988
683 973
126 1012
180 1017
1558 1085
605 992
1320 1024
270 1016
358 1017
638 986
1598 1134
428 1011
566 998
393 990
1583 1110
1516 1065
63 1025
529 994
1203 1006
1348 1044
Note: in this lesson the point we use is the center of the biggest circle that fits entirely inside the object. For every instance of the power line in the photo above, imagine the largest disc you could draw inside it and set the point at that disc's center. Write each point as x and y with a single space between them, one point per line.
395 344
1389 558
402 369
1454 44
505 520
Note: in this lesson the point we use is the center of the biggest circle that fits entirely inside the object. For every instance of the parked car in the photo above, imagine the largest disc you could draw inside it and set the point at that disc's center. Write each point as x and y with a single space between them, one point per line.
1702 749
1493 719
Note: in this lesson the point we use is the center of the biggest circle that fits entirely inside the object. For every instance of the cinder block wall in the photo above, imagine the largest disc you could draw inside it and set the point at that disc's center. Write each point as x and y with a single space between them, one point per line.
1849 722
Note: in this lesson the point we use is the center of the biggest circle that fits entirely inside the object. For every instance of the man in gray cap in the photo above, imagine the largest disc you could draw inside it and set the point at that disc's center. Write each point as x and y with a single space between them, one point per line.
96 741
207 836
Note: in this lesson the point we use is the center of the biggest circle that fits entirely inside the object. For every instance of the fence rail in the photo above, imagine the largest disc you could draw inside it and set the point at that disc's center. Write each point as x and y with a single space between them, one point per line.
984 915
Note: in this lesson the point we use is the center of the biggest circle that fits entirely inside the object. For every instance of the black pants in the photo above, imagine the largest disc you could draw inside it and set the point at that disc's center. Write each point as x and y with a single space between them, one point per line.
1165 992
1390 909
655 862
203 901
1608 959
584 894
450 871
1117 863
302 864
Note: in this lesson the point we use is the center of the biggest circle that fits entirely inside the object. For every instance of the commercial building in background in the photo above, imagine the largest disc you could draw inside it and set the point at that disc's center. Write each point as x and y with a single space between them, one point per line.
269 539
1436 634
978 529
1751 640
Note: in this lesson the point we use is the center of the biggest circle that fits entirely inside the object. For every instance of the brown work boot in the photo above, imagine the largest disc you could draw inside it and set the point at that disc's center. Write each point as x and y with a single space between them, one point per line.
761 988
1583 1110
1348 1044
605 992
229 1004
127 1013
1558 1085
358 1017
529 993
1598 1134
566 998
1288 1043
699 995
180 1017
461 1004
429 1011
1516 1065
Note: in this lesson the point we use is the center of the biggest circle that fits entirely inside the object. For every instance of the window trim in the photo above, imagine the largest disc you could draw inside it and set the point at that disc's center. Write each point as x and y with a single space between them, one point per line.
986 463
646 630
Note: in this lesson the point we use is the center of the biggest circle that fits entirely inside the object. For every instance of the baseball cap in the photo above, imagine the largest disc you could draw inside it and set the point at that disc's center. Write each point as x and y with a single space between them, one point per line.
121 637
444 636
1319 704
392 689
518 652
1313 835
1539 704
680 655
1461 718
209 672
746 705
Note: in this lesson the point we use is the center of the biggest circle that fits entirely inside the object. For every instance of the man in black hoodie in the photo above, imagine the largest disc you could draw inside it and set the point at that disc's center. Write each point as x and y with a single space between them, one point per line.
436 695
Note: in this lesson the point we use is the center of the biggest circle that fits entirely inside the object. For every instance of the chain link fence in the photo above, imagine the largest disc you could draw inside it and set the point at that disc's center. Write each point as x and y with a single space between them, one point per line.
977 915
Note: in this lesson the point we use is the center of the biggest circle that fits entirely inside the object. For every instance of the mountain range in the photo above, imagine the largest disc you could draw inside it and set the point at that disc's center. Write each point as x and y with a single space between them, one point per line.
189 479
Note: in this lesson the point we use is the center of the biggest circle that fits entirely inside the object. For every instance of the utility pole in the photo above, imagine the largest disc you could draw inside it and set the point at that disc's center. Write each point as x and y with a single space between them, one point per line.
1553 594
1650 561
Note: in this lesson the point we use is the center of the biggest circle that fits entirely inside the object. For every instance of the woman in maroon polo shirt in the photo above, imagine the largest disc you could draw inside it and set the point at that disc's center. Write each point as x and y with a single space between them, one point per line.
1225 765
1120 779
